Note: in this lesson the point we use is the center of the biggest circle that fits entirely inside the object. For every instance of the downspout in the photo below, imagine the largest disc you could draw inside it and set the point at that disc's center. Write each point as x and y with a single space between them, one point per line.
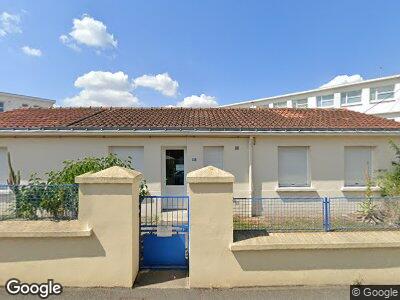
251 144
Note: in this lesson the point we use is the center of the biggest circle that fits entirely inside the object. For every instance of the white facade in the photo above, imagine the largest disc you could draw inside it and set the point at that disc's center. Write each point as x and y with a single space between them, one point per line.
12 101
379 97
287 165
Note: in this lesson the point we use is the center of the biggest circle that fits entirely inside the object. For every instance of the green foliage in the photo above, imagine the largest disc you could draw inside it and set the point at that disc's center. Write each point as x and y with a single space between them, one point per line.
38 199
368 211
58 197
73 168
389 181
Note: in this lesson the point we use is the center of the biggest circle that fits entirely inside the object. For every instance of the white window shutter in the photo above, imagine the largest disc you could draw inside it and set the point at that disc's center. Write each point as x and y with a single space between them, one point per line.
213 156
293 166
136 153
3 166
357 165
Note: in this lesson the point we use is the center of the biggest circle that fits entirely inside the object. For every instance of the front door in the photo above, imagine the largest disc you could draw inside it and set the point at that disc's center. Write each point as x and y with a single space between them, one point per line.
174 172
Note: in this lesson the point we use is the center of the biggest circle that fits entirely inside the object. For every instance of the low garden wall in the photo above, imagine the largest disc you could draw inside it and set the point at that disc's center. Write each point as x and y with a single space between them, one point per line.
315 258
101 248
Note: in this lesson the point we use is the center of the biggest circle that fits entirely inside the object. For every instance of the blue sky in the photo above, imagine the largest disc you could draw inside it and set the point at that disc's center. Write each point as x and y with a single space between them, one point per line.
205 51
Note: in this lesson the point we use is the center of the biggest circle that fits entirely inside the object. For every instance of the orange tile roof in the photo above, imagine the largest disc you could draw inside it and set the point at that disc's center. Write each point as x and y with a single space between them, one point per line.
194 119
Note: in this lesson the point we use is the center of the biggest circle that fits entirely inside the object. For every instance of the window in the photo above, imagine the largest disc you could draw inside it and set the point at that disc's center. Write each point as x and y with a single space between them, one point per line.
1 106
293 166
281 104
24 105
352 97
213 156
175 167
325 101
301 103
135 154
3 166
357 164
382 93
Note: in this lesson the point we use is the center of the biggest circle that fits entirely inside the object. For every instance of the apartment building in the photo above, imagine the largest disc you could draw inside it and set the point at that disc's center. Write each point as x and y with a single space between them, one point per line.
12 101
380 96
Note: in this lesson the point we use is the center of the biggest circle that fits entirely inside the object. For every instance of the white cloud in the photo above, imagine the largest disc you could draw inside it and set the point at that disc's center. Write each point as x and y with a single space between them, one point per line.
90 32
31 51
343 79
103 89
162 83
198 101
69 42
9 23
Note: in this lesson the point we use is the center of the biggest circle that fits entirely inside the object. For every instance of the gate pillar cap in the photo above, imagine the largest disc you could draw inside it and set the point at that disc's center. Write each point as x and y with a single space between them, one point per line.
111 175
210 174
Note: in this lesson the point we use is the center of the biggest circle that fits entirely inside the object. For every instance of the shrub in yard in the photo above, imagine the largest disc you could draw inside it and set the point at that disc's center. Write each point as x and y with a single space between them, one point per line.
389 181
57 197
73 168
368 211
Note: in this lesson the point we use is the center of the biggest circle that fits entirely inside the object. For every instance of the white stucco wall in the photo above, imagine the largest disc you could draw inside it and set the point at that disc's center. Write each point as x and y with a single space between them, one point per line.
389 108
42 154
12 101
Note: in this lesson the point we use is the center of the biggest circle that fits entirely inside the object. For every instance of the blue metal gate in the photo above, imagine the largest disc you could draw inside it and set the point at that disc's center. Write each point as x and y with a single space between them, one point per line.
164 232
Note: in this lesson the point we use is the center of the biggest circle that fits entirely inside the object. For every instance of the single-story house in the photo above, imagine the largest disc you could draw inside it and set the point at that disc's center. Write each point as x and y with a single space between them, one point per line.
272 152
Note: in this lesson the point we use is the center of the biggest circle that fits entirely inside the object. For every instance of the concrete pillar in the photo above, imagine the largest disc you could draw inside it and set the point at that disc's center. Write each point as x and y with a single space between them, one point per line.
211 225
109 204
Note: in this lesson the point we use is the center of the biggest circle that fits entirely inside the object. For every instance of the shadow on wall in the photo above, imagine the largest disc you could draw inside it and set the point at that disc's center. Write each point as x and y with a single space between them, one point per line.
297 260
15 249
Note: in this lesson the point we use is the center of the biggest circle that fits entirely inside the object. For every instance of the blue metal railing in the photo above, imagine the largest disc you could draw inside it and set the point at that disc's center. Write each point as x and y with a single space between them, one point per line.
316 214
39 201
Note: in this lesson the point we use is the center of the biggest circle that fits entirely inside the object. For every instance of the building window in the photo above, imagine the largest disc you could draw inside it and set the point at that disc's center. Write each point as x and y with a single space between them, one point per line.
133 154
301 103
213 156
281 104
3 166
325 101
382 93
1 106
293 167
24 105
352 97
357 164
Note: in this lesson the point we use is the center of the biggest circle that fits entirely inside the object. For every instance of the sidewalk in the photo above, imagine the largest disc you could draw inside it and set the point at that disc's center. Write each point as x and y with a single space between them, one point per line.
172 284
274 293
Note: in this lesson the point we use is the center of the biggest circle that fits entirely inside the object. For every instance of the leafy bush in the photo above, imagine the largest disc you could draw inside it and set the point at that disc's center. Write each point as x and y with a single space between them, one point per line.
57 197
389 181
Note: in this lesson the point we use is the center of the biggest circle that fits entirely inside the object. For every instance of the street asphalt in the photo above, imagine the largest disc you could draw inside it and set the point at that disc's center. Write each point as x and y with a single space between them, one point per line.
276 293
173 284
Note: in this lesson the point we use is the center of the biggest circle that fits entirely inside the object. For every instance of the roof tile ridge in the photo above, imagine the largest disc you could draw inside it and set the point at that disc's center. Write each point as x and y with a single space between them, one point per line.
87 117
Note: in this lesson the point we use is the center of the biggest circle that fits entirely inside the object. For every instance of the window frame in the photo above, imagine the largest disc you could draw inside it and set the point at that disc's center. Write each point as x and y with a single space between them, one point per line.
376 93
294 103
346 98
321 100
1 106
308 169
